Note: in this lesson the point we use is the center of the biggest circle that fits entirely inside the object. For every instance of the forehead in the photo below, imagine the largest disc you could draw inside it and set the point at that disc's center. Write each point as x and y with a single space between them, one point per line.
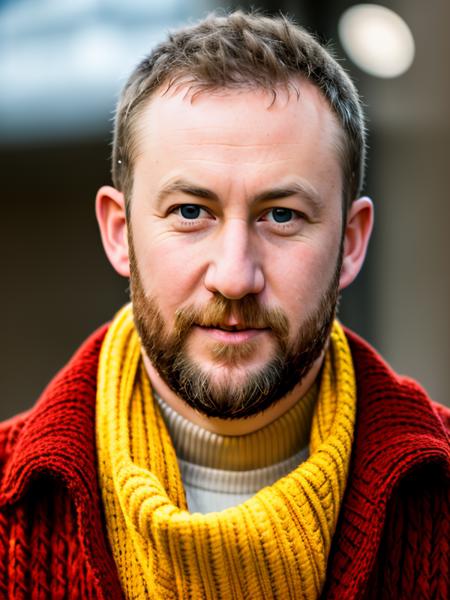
239 127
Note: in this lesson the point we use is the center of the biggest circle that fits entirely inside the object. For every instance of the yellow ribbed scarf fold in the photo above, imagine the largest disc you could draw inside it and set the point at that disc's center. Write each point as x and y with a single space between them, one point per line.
274 545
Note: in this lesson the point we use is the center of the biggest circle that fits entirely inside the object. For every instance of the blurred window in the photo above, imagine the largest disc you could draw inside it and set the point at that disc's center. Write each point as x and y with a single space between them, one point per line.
62 63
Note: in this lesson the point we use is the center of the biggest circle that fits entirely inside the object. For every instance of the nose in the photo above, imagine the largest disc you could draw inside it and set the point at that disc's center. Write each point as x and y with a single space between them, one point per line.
234 269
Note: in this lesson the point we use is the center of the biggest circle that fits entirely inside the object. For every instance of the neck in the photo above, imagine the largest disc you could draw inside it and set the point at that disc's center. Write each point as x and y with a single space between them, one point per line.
236 426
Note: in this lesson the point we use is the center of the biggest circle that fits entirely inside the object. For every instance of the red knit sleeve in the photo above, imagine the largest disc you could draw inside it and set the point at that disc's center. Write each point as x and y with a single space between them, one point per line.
413 557
41 555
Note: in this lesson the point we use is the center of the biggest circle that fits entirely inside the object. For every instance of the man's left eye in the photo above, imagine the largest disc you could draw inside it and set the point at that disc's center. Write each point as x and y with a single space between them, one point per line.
281 215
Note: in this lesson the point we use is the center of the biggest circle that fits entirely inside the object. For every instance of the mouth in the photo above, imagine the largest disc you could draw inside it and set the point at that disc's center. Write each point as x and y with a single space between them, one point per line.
232 334
224 327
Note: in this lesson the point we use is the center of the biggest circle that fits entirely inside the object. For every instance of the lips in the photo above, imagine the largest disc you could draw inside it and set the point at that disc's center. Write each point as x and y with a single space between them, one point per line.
232 328
231 334
229 327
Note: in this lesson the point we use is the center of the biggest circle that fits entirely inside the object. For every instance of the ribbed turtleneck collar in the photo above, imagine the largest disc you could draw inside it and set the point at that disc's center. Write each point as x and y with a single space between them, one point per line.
272 444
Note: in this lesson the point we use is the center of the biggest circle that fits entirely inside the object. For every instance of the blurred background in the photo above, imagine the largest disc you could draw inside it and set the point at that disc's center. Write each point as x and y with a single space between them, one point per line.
62 64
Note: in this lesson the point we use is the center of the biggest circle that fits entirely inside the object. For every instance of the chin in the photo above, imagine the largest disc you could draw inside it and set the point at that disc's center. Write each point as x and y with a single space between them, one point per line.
232 358
229 376
232 365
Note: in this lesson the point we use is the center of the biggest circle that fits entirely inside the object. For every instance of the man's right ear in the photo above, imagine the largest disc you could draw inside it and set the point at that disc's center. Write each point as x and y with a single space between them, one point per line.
111 217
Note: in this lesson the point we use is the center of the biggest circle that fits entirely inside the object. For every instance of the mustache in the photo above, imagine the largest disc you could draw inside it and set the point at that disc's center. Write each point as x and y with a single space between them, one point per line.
248 311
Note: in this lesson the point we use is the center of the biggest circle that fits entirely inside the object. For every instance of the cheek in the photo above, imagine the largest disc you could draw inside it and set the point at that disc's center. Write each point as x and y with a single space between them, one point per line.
300 276
170 273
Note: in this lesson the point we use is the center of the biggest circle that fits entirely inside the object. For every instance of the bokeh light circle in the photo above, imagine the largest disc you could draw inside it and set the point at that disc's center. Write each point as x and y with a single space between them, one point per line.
377 40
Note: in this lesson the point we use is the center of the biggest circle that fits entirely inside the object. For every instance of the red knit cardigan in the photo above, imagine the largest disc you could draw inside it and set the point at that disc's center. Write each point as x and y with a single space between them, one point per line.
392 540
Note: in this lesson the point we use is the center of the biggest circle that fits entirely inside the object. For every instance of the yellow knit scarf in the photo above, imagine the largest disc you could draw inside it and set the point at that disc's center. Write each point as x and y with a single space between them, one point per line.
274 545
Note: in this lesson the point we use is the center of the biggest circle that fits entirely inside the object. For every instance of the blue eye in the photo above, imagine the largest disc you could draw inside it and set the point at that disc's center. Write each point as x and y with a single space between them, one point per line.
190 211
282 215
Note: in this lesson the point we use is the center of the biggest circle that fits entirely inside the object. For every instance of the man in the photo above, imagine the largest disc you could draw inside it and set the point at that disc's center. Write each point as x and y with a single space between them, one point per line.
224 437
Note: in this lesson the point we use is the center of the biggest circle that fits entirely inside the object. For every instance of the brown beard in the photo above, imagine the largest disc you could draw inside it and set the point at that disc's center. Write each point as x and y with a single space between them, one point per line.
167 351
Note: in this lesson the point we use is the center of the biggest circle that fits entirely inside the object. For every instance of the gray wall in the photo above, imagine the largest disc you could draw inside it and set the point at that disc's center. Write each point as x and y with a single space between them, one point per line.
410 173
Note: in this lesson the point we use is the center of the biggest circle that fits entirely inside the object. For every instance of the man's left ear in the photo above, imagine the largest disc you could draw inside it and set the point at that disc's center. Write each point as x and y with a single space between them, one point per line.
356 239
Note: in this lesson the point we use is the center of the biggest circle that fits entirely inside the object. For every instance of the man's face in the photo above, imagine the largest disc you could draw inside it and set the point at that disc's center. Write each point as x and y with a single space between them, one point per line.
236 222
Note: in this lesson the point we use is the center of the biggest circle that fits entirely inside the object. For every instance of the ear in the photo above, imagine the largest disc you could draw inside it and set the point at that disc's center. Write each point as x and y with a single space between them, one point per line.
111 217
356 239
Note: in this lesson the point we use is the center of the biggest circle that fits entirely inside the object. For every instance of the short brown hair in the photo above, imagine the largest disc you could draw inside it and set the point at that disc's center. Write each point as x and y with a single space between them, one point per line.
241 50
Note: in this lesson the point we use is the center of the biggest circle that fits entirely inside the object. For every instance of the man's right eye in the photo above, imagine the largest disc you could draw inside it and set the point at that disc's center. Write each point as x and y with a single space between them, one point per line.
190 211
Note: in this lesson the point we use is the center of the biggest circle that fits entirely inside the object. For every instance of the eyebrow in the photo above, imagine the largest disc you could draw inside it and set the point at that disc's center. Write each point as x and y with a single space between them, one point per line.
278 193
187 188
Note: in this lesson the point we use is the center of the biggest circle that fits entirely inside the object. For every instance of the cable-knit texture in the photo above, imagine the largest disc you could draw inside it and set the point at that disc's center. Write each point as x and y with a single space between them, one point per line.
396 498
274 545
422 575
395 519
39 553
51 539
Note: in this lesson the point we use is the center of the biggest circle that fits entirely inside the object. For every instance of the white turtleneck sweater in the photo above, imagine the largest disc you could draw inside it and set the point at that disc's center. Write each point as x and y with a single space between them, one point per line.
220 471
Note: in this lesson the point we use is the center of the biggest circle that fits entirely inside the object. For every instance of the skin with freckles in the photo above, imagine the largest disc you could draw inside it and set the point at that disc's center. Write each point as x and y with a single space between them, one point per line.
236 196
